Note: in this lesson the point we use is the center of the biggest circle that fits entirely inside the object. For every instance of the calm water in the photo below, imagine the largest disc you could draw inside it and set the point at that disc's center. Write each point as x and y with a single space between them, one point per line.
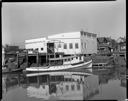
66 85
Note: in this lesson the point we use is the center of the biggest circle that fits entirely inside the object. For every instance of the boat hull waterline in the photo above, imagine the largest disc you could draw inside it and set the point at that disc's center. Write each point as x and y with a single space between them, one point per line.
85 65
58 73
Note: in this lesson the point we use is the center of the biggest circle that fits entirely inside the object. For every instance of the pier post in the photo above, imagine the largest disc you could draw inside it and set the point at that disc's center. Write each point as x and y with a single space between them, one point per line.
38 81
27 57
37 59
17 59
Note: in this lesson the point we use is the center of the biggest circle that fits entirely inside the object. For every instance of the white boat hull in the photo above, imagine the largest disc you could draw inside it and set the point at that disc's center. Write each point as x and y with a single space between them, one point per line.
85 65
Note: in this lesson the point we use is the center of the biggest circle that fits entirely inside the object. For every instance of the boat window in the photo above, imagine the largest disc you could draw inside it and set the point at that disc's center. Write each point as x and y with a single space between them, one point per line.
70 46
68 59
76 57
76 45
65 46
72 58
30 49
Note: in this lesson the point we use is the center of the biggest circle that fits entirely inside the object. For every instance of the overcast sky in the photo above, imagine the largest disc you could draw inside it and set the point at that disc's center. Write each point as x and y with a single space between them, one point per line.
21 21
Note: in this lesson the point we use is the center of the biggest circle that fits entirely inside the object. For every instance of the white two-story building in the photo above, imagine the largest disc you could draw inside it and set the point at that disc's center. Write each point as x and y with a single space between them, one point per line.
76 42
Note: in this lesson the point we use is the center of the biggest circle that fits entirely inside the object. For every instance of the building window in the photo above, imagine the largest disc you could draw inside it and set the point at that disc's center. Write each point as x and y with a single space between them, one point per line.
76 45
89 34
72 87
59 45
80 57
84 33
84 45
65 46
70 46
36 49
67 87
42 48
78 87
93 35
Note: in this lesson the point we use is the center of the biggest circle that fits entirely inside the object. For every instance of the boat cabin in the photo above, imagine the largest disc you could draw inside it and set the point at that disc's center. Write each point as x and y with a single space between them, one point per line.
66 60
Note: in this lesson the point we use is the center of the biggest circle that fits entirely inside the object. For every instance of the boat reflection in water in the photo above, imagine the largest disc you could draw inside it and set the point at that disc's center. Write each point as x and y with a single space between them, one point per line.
62 85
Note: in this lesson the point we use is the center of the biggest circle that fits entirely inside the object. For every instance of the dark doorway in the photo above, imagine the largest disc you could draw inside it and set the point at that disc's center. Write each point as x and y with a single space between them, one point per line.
31 60
42 60
50 48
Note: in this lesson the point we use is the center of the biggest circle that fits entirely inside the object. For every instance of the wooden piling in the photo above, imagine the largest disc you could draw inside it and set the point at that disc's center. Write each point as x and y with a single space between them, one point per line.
37 59
46 58
27 58
17 59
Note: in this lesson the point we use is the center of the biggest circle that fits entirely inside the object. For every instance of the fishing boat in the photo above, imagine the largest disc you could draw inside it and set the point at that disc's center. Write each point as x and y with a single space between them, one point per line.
63 63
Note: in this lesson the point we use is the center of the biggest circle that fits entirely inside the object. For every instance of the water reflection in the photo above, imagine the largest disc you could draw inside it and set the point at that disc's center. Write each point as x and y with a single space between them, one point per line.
64 85
57 85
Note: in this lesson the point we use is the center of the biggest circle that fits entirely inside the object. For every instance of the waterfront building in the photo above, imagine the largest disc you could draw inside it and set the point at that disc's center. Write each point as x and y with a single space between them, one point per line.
69 43
76 42
11 51
122 45
104 45
122 49
38 44
120 53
